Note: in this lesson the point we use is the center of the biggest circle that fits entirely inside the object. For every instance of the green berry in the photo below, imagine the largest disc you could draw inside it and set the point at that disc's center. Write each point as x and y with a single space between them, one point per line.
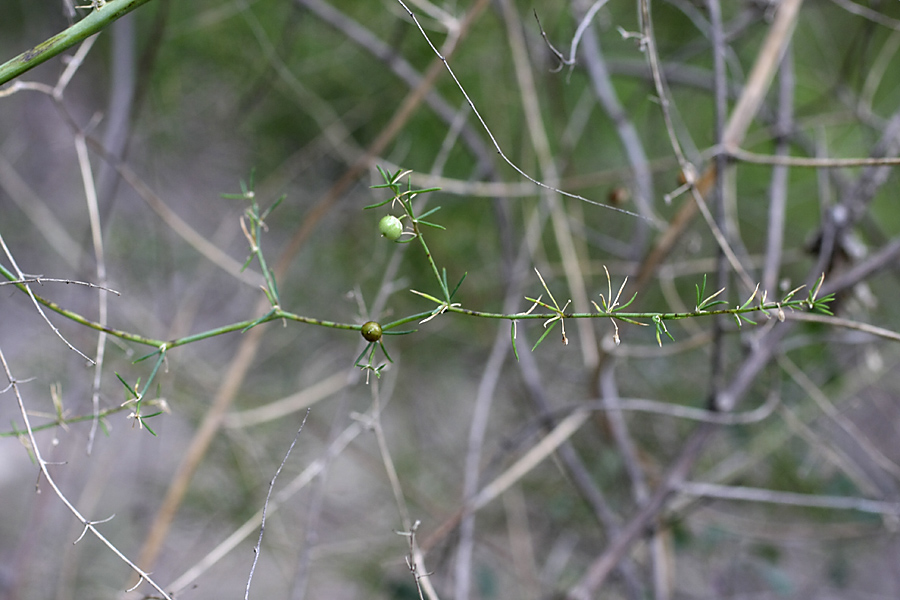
390 227
371 331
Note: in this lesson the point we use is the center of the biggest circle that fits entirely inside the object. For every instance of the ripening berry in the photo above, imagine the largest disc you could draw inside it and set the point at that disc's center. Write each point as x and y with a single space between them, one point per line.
390 227
371 331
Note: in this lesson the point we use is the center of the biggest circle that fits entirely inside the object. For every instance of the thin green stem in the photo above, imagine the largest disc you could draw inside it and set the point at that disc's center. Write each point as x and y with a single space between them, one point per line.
258 225
64 421
168 345
405 320
391 181
444 305
428 256
131 337
673 316
280 314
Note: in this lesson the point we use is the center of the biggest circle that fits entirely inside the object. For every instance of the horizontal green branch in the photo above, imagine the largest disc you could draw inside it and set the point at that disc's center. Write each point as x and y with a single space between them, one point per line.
277 313
273 315
624 316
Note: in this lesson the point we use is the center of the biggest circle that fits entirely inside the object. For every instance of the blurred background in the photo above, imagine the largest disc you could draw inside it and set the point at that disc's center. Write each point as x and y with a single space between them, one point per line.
181 102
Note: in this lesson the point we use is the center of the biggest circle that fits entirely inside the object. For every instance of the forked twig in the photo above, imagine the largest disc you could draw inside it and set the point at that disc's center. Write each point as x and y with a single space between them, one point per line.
20 275
262 525
45 473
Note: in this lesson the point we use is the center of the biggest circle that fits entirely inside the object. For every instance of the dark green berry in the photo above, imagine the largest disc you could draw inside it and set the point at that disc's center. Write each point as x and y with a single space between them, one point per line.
371 331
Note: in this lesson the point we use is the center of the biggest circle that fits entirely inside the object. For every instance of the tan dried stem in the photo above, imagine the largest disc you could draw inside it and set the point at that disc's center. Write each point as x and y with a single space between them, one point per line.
745 110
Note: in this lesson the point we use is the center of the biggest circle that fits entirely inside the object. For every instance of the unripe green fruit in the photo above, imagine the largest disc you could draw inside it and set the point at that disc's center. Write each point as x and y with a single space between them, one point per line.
390 227
371 331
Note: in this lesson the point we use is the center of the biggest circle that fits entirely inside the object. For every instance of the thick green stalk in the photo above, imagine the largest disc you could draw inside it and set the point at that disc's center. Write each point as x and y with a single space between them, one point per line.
86 27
